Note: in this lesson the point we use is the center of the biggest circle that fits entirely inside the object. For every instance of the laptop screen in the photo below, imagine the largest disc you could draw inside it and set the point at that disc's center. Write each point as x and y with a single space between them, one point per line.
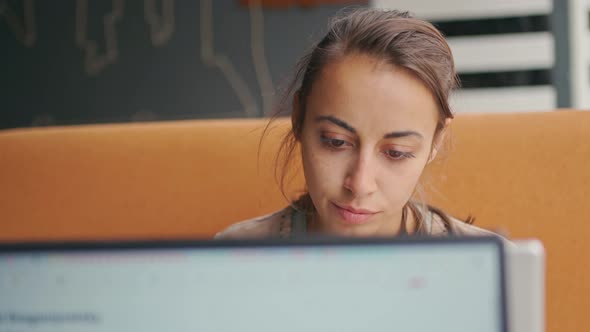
373 286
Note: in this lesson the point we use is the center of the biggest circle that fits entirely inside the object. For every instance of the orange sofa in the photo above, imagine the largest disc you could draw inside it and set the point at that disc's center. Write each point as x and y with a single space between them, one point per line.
524 174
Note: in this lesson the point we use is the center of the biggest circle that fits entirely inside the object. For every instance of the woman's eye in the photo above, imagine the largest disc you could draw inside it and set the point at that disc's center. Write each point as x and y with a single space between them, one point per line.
336 142
396 155
333 142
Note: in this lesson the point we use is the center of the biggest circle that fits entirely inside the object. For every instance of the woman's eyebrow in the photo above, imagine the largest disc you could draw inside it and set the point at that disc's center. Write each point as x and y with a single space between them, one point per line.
336 121
406 133
344 125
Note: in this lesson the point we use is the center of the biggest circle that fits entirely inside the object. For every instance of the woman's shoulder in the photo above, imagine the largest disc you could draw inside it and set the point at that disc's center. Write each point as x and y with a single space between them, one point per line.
460 228
276 224
463 228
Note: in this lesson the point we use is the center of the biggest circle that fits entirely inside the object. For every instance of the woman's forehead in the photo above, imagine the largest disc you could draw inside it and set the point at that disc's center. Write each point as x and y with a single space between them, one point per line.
372 96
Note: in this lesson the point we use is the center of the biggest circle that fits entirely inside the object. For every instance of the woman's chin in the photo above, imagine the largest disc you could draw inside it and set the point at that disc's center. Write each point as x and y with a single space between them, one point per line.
352 230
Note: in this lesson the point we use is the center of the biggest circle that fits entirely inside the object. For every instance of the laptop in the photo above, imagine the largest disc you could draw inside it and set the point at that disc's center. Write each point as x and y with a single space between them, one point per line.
525 268
423 285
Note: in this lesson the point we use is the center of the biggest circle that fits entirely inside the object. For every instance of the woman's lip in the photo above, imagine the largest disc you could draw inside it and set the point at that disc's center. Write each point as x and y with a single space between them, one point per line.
353 210
353 216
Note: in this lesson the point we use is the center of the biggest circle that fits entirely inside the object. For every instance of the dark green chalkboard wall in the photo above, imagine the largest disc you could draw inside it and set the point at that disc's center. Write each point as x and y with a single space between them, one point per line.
48 84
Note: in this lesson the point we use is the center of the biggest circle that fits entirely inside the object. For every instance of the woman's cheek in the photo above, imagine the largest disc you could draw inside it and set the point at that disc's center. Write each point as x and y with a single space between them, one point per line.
324 169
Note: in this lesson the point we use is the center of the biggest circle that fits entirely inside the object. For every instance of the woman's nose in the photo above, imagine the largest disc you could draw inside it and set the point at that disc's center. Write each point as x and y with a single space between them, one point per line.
361 176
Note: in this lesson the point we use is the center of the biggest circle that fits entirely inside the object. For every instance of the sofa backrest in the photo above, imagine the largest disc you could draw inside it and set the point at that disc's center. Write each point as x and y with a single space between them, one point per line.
149 180
524 174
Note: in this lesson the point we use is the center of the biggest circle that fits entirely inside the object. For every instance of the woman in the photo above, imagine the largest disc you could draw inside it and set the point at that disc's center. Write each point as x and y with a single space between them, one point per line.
369 113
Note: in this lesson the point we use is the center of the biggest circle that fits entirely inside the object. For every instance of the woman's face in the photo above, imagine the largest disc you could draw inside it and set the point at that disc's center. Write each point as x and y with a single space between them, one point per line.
367 135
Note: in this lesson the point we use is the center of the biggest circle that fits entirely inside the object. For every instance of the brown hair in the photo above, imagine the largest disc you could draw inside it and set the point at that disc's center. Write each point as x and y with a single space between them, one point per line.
391 36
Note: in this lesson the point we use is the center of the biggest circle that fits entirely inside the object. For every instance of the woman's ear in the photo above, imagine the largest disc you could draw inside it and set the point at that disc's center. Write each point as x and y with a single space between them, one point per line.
439 140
